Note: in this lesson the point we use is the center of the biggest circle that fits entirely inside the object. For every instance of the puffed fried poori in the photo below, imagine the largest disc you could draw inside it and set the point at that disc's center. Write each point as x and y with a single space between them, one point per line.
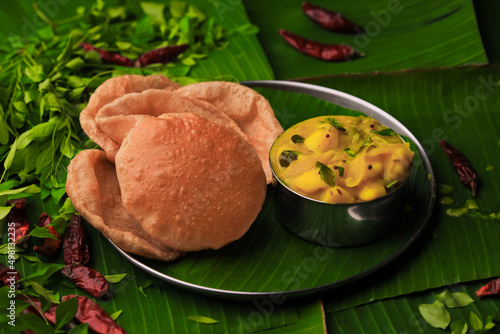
111 90
245 106
117 118
192 183
93 188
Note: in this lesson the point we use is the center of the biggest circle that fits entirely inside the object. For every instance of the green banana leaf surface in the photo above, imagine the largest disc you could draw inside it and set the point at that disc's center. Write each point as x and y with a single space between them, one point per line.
420 65
398 35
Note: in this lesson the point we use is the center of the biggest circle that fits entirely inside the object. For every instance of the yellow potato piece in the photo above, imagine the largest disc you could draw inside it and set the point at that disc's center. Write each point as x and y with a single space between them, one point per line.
337 195
310 181
323 140
372 191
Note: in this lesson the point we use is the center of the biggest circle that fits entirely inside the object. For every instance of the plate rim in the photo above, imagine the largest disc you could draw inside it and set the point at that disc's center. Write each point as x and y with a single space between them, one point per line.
329 95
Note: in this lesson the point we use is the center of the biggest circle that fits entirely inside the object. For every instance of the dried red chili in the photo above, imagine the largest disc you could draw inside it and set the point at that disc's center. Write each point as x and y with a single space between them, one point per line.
462 165
330 52
18 218
98 319
36 308
75 242
88 279
157 56
88 312
108 56
161 55
490 289
50 246
330 20
9 276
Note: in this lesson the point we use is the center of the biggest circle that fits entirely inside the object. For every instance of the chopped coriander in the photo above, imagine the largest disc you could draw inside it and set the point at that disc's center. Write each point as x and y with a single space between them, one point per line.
326 173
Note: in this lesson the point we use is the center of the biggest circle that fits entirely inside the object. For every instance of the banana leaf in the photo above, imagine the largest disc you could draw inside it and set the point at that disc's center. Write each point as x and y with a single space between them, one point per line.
459 105
399 35
401 314
487 20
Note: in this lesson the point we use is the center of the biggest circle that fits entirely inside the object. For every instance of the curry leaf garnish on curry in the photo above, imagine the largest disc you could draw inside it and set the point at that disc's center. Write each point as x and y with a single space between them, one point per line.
384 132
287 156
326 173
297 139
334 123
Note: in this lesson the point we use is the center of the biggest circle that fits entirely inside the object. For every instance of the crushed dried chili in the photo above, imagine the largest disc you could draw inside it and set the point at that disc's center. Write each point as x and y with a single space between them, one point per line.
50 246
491 288
330 20
75 242
329 52
18 218
98 319
88 279
462 165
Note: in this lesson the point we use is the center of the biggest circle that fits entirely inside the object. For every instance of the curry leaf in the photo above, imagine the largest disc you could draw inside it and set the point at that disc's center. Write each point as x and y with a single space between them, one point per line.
43 271
116 314
297 139
41 232
475 321
202 319
384 132
459 327
287 156
435 314
454 299
79 329
326 174
115 278
65 312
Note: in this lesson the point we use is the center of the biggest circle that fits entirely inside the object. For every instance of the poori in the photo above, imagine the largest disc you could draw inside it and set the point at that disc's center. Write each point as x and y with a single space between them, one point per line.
249 109
192 183
181 168
109 91
93 188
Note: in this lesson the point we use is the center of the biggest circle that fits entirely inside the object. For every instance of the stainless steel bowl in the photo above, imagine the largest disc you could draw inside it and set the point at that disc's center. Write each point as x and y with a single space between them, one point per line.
338 225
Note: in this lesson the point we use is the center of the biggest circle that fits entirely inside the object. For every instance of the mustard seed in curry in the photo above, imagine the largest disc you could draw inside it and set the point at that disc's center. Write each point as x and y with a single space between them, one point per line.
341 159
